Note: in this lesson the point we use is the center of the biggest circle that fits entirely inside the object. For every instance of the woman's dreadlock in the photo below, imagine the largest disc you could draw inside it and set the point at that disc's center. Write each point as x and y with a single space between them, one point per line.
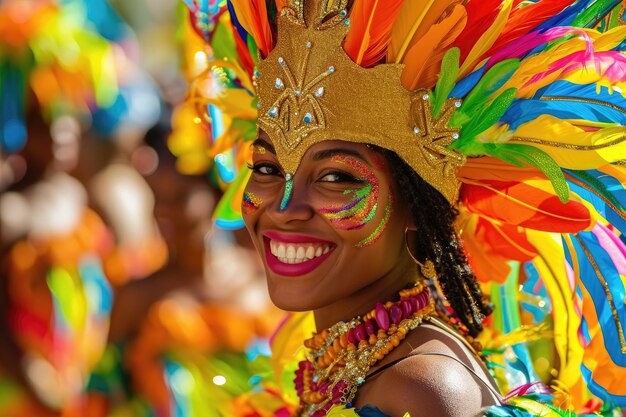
436 240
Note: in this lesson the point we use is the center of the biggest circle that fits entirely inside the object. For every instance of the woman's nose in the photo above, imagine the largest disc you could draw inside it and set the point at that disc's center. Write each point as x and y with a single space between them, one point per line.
293 204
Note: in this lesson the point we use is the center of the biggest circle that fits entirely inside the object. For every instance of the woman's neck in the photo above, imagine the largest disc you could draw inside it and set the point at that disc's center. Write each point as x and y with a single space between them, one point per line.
386 288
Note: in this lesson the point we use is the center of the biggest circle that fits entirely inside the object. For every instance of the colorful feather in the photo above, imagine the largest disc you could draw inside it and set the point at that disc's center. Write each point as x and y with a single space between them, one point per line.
253 17
423 58
531 204
371 22
480 16
525 19
412 24
604 364
487 39
447 78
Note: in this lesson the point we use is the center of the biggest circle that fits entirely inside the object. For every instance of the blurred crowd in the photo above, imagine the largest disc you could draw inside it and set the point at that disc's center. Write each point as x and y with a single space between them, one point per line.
118 295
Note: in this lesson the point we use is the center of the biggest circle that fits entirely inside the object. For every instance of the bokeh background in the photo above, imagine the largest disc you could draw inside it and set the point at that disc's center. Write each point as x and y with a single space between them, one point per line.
118 295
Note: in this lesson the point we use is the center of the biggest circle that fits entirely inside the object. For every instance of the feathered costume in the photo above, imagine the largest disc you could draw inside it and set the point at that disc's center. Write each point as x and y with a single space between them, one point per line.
523 116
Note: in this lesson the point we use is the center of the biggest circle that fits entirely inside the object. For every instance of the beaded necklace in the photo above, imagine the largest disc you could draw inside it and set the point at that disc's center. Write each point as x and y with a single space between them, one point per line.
341 356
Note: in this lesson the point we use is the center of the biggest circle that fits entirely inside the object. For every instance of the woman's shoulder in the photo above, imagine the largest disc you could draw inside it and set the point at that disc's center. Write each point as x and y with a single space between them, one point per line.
432 373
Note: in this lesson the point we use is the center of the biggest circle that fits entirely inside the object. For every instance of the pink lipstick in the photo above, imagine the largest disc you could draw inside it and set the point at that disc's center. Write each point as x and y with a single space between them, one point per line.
293 269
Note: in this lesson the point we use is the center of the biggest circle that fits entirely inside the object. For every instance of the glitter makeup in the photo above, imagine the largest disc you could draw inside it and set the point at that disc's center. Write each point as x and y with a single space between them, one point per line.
362 208
288 191
251 203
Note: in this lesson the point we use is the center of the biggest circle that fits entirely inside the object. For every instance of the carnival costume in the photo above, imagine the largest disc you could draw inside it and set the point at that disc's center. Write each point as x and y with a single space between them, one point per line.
512 110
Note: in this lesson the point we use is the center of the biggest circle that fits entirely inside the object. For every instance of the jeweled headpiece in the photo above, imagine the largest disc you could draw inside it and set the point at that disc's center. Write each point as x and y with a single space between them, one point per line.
520 104
311 91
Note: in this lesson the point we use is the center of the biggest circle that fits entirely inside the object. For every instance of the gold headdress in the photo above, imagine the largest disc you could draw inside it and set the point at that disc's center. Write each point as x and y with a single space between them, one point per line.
311 91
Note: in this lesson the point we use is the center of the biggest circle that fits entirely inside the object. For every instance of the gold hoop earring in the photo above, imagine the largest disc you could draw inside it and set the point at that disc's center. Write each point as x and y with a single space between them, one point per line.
428 267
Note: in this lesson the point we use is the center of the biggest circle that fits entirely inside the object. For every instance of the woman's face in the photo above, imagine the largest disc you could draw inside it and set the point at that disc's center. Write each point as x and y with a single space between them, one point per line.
338 231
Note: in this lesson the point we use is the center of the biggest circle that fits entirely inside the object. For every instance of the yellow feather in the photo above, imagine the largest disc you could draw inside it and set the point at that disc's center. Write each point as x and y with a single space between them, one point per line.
585 149
487 39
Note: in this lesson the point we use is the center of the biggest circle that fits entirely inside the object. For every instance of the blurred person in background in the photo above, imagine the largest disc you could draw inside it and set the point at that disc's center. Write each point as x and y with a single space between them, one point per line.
62 80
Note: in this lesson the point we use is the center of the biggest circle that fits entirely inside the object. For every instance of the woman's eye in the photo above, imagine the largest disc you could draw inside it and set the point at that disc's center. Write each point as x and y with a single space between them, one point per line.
265 169
338 177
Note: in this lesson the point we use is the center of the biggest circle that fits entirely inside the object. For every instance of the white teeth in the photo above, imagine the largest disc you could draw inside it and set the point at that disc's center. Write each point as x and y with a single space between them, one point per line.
293 253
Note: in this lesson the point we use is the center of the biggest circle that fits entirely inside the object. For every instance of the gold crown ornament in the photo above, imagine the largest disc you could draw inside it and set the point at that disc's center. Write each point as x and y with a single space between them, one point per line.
311 91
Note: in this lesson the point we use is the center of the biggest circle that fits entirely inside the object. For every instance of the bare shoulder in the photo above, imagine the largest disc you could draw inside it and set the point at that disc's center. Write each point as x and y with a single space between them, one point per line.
430 375
426 386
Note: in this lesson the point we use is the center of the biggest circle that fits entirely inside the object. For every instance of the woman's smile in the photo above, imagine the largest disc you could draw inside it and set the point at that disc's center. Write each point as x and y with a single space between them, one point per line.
295 254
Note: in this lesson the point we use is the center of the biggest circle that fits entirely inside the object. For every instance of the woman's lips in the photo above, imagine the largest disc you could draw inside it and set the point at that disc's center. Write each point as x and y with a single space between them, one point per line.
294 255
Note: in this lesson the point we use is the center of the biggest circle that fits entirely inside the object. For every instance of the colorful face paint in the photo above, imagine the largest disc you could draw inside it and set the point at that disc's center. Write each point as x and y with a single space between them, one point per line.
251 203
371 239
288 191
362 208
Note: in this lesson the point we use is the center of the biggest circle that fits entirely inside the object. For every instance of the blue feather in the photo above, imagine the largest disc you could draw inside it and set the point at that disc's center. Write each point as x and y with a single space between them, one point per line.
235 22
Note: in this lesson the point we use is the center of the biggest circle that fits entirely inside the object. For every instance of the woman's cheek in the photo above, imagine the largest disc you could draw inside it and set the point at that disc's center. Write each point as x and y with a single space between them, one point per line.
250 203
364 202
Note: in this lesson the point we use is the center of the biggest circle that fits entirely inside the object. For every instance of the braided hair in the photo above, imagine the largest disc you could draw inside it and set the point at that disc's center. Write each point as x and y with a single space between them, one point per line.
437 240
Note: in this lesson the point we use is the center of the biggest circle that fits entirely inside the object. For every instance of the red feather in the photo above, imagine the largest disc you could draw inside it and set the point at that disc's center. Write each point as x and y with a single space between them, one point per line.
532 206
371 22
480 16
505 240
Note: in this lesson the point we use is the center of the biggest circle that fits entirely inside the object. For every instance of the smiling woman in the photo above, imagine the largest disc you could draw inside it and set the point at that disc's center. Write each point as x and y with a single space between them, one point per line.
410 157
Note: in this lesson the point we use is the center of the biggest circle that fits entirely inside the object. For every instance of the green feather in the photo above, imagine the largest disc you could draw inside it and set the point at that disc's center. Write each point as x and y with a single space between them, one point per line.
483 120
254 53
593 14
519 154
598 186
223 43
483 91
447 79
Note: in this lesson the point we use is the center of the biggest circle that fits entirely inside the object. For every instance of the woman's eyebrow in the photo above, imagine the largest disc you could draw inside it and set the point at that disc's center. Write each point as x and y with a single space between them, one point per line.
329 153
264 144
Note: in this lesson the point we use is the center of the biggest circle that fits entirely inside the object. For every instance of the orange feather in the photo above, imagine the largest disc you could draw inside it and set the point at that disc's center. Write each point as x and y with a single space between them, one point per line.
487 266
280 4
414 21
370 30
423 60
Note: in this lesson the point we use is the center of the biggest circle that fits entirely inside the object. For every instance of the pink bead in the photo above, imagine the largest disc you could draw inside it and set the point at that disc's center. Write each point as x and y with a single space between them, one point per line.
359 332
370 327
406 307
396 314
351 338
382 317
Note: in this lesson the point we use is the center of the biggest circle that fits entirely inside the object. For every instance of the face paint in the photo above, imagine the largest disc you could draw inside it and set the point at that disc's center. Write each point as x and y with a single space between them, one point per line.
371 239
361 209
288 191
258 149
251 203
